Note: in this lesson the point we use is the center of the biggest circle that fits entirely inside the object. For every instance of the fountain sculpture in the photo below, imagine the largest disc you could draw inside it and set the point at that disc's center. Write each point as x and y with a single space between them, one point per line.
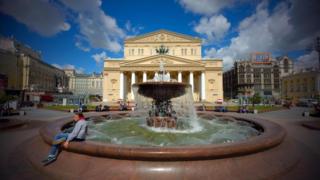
161 89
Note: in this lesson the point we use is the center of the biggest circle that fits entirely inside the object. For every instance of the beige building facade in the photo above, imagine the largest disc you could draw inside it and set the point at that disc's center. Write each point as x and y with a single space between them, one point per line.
84 84
183 62
26 71
302 85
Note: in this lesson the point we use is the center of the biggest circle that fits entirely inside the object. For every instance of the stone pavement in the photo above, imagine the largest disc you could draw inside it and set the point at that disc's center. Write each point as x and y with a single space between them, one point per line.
13 166
40 115
11 140
44 115
308 140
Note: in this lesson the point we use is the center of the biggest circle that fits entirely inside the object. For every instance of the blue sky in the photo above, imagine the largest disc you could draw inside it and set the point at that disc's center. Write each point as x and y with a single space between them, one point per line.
71 33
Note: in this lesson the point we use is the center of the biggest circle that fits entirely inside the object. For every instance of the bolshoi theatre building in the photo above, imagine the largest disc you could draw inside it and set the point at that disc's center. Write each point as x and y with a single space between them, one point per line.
182 61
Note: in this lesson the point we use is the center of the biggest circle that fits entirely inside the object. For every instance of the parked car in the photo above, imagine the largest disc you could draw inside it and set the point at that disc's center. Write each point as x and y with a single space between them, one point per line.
306 102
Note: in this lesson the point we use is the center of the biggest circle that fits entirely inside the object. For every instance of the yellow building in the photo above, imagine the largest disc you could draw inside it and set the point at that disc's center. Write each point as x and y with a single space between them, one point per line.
26 71
302 85
183 62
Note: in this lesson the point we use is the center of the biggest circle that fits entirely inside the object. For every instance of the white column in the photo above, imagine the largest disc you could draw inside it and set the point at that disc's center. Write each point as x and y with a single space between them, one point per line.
179 77
144 77
133 80
203 86
121 85
191 81
155 75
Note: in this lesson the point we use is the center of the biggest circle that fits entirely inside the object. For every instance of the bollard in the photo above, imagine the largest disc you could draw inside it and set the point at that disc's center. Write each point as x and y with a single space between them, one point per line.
305 113
22 113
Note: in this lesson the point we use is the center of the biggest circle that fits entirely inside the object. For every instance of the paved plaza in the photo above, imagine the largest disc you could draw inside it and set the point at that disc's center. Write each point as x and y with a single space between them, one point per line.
14 166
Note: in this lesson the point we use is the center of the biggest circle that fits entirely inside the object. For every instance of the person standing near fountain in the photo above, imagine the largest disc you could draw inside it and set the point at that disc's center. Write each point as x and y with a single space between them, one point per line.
78 134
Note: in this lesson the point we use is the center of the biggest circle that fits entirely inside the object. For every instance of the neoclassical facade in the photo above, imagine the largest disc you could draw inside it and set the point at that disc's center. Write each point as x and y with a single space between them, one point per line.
183 62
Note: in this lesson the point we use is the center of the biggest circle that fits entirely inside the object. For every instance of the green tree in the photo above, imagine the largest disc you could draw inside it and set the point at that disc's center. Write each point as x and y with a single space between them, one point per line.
256 99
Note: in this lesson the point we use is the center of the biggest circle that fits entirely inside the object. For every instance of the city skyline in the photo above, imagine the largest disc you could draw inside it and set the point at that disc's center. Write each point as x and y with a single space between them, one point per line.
81 34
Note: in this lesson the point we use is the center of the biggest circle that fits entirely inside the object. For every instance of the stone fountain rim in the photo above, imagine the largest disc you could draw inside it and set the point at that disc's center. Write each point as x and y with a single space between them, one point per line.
273 134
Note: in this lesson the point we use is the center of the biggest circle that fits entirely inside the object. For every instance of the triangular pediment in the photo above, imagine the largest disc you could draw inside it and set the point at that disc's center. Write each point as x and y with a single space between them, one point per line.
162 36
166 59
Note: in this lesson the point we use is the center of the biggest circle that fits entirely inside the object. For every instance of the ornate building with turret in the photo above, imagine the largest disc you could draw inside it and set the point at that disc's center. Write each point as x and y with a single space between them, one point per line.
260 74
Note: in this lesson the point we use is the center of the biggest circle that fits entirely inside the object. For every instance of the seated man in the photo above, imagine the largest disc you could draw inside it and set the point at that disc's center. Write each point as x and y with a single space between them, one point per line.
78 134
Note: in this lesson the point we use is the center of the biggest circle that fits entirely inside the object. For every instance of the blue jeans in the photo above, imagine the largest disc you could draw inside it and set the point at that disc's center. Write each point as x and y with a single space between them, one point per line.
55 148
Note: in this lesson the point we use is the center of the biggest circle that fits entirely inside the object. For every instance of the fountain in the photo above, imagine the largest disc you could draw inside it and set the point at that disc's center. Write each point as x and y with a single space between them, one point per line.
161 90
165 116
166 138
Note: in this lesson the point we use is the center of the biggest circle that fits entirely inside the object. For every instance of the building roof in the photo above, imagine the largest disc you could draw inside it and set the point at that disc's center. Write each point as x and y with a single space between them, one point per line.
196 39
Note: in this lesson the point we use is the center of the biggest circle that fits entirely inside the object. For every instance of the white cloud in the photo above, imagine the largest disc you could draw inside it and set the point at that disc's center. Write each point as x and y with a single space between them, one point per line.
228 58
79 70
79 45
278 31
99 57
57 66
214 28
132 31
41 16
128 25
96 27
205 7
307 61
48 18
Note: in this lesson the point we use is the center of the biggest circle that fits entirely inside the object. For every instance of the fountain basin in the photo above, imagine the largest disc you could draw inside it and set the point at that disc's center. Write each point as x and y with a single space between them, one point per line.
267 156
272 136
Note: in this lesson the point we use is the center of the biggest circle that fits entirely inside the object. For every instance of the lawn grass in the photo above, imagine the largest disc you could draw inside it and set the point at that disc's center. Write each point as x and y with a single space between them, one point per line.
67 107
250 108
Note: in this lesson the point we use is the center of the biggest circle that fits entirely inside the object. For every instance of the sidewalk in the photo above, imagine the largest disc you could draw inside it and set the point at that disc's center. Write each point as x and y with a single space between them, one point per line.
39 115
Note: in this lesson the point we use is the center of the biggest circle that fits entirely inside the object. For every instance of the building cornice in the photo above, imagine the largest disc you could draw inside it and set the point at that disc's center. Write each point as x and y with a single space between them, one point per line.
190 38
